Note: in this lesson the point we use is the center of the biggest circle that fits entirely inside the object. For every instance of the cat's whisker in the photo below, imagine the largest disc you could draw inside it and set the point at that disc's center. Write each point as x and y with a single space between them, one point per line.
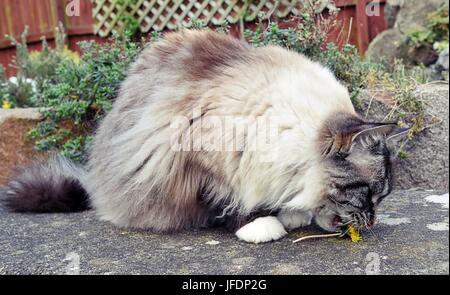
345 206
366 219
347 223
373 233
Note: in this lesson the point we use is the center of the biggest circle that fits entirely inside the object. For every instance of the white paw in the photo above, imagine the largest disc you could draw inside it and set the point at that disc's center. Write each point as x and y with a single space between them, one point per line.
262 229
295 219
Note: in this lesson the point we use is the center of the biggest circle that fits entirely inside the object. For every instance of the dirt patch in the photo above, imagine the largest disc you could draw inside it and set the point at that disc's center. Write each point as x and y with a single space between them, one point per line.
15 148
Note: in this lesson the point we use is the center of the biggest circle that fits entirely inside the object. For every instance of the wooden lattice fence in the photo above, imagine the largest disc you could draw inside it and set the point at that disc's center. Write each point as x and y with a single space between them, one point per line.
159 15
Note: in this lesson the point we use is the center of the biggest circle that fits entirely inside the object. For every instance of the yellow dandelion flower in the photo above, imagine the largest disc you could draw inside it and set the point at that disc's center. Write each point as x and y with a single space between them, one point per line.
6 105
354 234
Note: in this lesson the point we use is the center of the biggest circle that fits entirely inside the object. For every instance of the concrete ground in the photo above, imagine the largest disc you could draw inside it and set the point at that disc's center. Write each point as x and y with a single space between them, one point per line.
411 237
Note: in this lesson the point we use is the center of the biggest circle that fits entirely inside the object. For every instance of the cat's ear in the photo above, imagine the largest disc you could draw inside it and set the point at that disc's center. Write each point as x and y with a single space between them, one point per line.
390 131
341 132
373 130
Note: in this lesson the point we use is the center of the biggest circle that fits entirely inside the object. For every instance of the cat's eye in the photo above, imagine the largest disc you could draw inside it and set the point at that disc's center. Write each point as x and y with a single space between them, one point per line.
377 143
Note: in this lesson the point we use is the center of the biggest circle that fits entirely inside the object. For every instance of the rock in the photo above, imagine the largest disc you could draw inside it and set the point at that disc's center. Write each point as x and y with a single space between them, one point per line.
442 62
386 47
403 17
413 14
427 164
410 237
427 161
18 113
424 54
373 106
439 70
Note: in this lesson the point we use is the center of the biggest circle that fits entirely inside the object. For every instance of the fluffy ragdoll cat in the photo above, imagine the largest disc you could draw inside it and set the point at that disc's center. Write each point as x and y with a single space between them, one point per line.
328 163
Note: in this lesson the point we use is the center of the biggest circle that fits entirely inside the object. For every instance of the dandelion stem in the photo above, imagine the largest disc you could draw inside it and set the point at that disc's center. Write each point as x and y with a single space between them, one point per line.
318 236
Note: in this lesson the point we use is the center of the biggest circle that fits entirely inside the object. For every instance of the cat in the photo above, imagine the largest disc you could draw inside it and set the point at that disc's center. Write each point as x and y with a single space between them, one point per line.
328 164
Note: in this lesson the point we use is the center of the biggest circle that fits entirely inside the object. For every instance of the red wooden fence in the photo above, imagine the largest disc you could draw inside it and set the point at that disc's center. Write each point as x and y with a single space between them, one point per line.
42 16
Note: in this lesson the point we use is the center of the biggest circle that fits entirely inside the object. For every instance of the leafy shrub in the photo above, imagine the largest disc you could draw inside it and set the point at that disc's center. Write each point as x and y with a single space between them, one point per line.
409 110
348 67
33 69
435 33
4 101
308 38
81 93
16 92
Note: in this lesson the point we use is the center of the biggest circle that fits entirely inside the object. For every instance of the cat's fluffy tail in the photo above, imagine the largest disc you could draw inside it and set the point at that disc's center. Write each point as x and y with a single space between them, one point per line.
54 185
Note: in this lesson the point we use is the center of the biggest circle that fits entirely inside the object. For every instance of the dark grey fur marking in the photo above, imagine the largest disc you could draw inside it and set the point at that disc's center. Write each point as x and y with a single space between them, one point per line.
52 186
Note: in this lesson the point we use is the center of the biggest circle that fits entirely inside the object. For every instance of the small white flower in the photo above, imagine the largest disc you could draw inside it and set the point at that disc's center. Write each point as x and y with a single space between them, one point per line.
32 83
14 80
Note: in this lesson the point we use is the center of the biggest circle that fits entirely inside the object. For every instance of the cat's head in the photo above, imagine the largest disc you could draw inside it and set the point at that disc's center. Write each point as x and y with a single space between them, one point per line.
357 164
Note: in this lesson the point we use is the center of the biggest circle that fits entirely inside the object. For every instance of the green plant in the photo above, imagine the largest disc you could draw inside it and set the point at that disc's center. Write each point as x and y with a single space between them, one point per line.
74 148
4 102
196 24
17 92
399 86
309 37
435 33
81 93
2 73
348 67
224 27
34 69
401 82
130 25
